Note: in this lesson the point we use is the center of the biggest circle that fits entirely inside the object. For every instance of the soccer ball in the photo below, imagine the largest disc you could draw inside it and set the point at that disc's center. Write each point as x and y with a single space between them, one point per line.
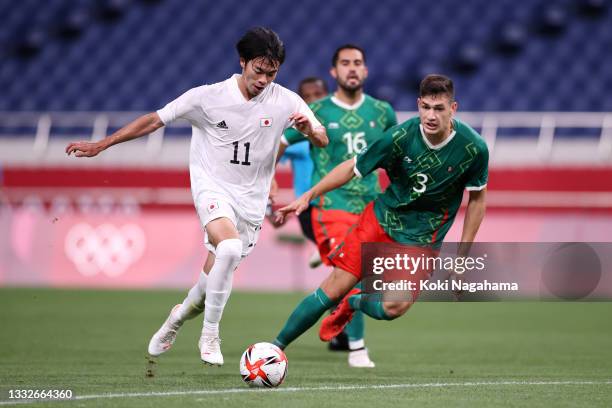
263 365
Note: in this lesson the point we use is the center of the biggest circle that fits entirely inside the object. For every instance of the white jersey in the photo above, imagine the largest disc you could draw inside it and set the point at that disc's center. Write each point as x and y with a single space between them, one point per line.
234 141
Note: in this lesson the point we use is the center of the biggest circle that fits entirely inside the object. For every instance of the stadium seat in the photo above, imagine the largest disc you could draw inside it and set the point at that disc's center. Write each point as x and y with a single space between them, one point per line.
511 38
467 58
73 24
592 8
552 20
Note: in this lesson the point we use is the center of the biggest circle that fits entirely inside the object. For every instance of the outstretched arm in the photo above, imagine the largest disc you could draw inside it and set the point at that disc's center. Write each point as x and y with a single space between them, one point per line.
340 175
142 126
474 215
281 150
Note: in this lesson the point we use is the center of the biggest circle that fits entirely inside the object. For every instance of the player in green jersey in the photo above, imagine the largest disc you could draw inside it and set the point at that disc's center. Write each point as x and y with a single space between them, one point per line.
430 160
354 121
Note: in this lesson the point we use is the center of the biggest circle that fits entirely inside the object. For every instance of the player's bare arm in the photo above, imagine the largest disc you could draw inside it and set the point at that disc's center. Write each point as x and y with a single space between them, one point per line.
474 215
273 190
142 126
339 176
274 187
281 151
317 136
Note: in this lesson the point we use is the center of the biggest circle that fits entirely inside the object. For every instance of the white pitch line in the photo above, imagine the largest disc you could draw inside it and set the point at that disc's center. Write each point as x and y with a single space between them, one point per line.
299 389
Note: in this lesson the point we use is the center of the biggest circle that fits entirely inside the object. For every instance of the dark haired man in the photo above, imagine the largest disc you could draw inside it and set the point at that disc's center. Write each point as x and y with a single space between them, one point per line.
237 125
354 121
430 160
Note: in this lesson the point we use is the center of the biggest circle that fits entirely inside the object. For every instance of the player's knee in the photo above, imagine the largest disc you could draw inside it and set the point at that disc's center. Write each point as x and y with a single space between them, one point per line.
229 249
333 294
338 284
393 310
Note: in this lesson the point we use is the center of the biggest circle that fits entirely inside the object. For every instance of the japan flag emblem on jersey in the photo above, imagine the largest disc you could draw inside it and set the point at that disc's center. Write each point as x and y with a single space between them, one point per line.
265 122
212 206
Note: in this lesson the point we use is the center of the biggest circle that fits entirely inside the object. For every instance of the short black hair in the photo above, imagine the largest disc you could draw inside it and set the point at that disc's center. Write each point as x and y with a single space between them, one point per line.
312 80
347 47
261 42
436 84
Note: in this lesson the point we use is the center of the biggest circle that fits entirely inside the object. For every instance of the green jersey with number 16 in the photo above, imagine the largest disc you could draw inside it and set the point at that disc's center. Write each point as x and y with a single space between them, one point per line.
350 130
427 181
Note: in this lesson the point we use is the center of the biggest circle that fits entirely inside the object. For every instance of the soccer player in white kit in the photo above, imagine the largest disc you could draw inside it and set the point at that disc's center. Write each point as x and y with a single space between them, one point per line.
237 125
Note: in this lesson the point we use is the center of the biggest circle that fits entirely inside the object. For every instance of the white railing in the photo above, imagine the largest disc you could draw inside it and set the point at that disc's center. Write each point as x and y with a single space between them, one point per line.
100 123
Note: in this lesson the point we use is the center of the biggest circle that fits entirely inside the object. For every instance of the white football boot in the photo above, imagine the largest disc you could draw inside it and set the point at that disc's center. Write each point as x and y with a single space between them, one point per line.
164 338
210 350
360 359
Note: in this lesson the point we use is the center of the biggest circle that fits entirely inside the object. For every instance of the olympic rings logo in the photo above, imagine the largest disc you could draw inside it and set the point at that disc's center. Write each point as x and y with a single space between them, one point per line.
104 249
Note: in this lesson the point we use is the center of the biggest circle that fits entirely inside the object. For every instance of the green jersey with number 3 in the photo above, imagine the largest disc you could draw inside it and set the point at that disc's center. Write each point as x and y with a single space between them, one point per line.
427 181
350 130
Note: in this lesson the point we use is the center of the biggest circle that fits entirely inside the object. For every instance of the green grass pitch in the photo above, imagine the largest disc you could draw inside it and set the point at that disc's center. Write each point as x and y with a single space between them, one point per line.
536 354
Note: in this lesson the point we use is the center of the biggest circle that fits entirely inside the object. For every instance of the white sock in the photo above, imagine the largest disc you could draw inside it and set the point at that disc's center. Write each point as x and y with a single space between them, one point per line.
211 329
356 344
219 286
193 304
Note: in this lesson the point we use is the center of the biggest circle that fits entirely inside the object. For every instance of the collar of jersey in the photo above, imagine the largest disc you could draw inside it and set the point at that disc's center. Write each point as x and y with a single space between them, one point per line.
439 145
240 95
346 106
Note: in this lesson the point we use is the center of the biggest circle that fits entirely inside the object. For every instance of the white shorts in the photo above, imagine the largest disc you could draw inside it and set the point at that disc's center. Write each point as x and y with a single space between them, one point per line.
213 206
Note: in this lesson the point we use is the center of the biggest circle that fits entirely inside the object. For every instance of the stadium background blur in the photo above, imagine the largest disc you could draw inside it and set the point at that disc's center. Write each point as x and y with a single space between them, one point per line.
533 77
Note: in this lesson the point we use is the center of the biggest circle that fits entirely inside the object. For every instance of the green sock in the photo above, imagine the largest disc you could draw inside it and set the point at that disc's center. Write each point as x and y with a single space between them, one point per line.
372 306
355 330
305 315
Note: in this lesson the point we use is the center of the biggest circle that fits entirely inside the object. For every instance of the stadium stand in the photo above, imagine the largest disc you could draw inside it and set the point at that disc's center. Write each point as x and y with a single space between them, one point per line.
122 55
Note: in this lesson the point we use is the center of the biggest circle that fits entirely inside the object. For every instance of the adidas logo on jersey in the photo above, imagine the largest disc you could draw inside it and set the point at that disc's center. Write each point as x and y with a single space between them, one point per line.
333 125
407 159
222 125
